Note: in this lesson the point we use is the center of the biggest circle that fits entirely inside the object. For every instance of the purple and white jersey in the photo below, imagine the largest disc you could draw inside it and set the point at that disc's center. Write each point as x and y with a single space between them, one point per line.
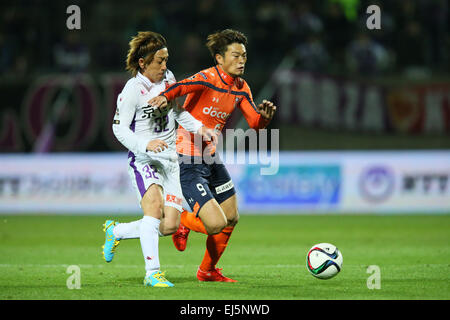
136 123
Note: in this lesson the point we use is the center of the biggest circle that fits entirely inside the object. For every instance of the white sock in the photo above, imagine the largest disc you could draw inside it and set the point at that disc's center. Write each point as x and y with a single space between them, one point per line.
148 234
128 230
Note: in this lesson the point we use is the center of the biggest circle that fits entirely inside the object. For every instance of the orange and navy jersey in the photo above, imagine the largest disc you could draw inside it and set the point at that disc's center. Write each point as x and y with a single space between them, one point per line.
212 95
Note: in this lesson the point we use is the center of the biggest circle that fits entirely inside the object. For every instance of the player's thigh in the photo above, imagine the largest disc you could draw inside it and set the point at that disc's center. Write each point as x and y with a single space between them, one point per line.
147 182
195 185
229 207
173 197
196 191
224 192
152 202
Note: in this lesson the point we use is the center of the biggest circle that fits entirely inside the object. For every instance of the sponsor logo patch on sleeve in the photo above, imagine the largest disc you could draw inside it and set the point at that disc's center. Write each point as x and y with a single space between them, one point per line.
173 199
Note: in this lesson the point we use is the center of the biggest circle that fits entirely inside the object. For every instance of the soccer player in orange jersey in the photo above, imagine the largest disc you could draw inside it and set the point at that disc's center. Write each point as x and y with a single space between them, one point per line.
212 95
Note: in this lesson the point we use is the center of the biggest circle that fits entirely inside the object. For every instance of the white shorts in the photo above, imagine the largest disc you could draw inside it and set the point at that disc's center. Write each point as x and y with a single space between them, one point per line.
145 171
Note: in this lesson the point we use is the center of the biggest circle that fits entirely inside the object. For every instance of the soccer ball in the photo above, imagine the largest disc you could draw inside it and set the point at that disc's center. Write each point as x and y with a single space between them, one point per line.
324 261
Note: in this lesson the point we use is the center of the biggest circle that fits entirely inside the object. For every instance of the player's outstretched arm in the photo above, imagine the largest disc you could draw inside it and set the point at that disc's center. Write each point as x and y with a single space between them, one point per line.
258 117
179 89
185 119
158 102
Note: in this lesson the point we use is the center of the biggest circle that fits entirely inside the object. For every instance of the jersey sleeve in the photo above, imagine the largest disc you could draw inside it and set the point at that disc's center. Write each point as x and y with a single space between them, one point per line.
250 111
185 119
170 77
181 116
123 119
197 82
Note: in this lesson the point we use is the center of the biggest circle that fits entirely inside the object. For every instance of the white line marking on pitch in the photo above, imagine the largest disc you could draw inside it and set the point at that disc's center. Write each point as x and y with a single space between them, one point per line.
139 266
6 265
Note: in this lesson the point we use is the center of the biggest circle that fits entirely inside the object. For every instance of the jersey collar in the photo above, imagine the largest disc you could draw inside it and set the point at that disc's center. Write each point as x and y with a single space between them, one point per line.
225 77
147 81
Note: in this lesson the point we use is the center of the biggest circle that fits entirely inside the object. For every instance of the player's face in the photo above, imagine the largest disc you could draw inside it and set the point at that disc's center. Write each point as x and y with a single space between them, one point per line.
156 69
233 62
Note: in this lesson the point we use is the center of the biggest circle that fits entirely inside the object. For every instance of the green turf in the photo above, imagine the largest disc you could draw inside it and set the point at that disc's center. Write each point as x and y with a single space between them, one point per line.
266 254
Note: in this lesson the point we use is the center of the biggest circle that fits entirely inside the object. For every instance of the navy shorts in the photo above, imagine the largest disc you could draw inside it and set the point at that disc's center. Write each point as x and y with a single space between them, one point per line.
201 182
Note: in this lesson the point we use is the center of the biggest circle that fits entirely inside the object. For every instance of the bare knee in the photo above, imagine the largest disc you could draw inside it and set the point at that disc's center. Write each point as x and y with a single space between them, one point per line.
172 228
231 222
168 228
216 227
230 209
170 222
152 206
213 217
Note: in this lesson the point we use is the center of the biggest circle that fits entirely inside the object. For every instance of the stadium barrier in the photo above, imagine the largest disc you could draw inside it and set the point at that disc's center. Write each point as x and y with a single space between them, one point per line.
306 183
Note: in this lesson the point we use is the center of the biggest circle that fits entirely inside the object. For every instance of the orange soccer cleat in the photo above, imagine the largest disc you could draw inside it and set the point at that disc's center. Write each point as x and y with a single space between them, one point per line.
180 237
213 275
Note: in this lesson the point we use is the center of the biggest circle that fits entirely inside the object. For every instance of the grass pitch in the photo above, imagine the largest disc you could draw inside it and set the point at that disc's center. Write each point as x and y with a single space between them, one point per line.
266 254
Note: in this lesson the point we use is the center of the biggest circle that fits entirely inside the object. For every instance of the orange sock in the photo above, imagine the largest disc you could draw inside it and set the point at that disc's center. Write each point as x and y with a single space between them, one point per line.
190 220
215 246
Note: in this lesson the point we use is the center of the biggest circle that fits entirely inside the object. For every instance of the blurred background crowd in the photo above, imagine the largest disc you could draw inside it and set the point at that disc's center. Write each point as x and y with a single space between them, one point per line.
326 37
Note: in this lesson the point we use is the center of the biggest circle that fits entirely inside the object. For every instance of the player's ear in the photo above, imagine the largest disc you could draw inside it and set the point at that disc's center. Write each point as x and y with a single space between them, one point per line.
141 63
219 58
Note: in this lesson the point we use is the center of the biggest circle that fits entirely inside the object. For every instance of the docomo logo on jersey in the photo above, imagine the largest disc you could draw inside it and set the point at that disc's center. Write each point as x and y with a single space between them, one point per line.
215 114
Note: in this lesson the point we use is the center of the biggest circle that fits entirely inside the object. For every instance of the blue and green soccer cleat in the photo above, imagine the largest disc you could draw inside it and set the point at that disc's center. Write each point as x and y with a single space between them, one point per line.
156 279
111 242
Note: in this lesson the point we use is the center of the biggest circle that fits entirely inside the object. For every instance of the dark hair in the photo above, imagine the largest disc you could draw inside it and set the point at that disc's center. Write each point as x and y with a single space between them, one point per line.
143 45
218 42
